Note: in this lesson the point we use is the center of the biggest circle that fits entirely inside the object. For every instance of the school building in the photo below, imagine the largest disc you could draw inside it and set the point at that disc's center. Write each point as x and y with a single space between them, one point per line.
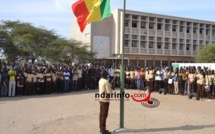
150 39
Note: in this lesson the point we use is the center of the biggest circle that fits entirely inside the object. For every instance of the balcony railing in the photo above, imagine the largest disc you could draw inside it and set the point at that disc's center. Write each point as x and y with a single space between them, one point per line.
159 52
143 51
135 30
167 52
127 50
151 51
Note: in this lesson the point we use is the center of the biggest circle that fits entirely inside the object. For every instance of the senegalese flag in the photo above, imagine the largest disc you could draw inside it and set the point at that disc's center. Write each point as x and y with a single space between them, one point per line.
88 11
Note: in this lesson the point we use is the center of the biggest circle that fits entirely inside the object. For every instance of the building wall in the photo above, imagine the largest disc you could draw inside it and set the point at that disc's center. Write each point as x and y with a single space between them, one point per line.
103 32
151 38
76 34
153 34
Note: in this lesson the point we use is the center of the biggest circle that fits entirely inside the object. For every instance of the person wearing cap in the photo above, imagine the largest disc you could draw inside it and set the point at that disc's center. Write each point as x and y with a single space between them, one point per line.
104 88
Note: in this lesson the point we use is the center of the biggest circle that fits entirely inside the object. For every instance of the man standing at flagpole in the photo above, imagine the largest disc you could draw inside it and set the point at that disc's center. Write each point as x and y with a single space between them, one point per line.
104 88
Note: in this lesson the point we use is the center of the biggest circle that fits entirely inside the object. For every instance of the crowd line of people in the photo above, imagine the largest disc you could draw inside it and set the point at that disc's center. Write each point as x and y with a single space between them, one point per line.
37 79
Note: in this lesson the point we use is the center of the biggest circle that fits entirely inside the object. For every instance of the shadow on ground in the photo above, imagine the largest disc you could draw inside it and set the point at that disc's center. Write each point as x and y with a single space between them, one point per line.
184 128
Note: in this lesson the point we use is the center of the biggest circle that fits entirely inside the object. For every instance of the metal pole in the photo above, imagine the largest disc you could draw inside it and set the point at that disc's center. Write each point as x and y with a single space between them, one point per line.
122 70
122 76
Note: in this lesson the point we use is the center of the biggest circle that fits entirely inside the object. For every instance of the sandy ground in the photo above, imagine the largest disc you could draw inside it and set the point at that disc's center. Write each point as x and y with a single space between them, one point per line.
77 113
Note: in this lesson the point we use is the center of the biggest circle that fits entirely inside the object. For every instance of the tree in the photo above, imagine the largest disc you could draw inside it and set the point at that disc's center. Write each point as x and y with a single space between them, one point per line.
6 41
65 51
33 42
21 40
206 54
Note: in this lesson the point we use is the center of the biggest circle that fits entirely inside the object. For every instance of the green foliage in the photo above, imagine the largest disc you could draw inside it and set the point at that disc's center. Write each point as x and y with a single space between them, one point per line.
65 51
21 40
206 54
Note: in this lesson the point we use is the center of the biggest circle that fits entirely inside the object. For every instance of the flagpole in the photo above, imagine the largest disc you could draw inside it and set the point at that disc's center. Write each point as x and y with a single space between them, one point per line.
122 76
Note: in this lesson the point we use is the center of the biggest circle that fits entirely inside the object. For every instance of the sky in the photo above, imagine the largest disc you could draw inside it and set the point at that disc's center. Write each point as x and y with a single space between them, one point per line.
57 14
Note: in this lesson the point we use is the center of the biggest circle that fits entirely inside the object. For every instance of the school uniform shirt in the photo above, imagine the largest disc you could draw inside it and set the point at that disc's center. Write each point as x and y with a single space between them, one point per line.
54 77
208 80
79 73
200 79
41 77
127 74
151 74
74 74
28 78
132 74
34 77
147 75
117 73
192 77
104 87
48 76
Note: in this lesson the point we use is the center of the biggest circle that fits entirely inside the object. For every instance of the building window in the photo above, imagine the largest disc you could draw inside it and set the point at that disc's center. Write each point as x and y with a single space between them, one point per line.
188 47
207 32
194 47
151 26
174 28
188 30
188 41
201 31
151 45
126 43
159 26
159 38
151 19
127 16
143 37
143 44
213 32
143 18
126 36
194 30
174 46
174 40
151 38
159 20
126 23
134 17
134 44
135 37
166 21
166 46
207 42
159 46
181 29
181 47
134 24
143 25
166 27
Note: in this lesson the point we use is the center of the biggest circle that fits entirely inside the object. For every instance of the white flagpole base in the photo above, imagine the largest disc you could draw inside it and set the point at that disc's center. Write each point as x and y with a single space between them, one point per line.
121 130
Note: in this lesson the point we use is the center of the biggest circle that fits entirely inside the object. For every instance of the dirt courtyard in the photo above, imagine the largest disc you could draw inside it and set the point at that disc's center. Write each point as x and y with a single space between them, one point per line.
77 113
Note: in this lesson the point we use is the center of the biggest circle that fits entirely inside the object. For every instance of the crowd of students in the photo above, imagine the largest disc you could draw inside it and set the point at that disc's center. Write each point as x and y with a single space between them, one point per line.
181 81
36 79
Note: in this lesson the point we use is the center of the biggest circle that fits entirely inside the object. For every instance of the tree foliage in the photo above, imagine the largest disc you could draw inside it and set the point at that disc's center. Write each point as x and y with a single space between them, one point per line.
21 40
206 54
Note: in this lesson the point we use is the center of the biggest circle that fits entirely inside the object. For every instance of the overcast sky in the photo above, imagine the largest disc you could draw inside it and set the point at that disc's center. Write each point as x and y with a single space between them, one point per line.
57 14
